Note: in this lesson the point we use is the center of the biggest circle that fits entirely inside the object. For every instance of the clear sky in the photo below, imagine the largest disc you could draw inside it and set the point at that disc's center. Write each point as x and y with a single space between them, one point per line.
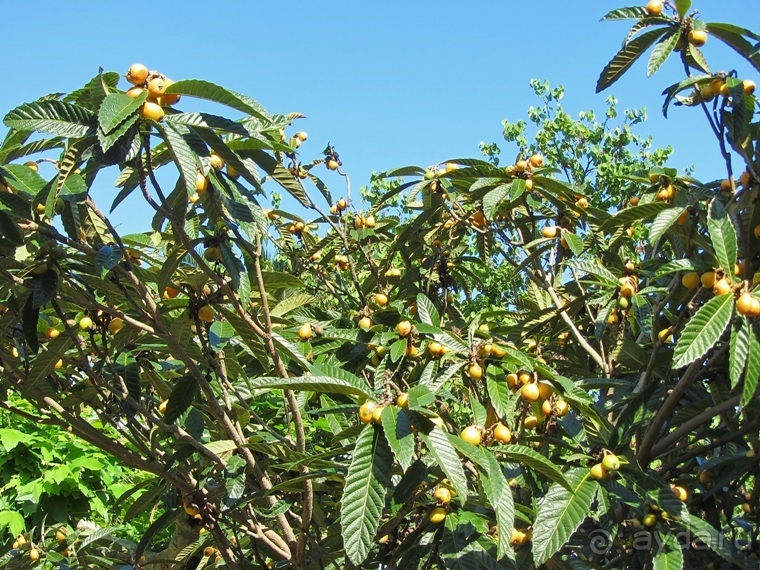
388 83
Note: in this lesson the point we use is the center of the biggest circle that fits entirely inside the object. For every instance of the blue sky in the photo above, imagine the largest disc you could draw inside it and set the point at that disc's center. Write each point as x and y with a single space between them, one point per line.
388 83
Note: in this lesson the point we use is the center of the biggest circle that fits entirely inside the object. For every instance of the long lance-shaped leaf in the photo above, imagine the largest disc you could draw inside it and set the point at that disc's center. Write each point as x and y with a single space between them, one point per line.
628 216
712 537
676 88
560 513
500 496
722 235
183 156
738 350
752 375
52 117
733 37
398 431
212 92
703 330
535 461
662 50
626 57
364 494
669 556
437 441
326 384
632 13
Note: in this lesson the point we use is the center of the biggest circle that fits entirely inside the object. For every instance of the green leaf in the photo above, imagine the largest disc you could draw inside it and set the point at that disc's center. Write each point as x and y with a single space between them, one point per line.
593 268
499 394
722 235
534 460
628 216
277 280
10 230
574 241
492 200
52 117
182 397
712 537
703 330
696 59
626 57
207 121
445 455
669 556
364 494
499 495
315 383
738 350
183 155
560 513
675 266
662 223
398 431
13 521
117 108
662 50
427 311
25 179
291 303
683 7
752 375
732 36
633 13
212 92
219 334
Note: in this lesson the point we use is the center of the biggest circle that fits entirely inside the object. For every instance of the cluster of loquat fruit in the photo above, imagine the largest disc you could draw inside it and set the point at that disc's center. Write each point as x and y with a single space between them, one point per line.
155 83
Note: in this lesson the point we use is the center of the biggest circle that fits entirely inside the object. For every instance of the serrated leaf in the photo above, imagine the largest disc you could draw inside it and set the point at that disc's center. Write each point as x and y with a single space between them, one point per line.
315 383
444 454
712 537
574 242
738 351
9 230
183 155
492 200
219 334
500 496
626 217
212 92
117 108
662 50
752 375
278 280
44 365
632 13
427 311
662 223
208 121
592 268
534 460
52 117
25 180
182 397
398 349
560 513
398 431
675 266
364 494
722 235
291 303
669 556
626 57
499 394
731 35
703 330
